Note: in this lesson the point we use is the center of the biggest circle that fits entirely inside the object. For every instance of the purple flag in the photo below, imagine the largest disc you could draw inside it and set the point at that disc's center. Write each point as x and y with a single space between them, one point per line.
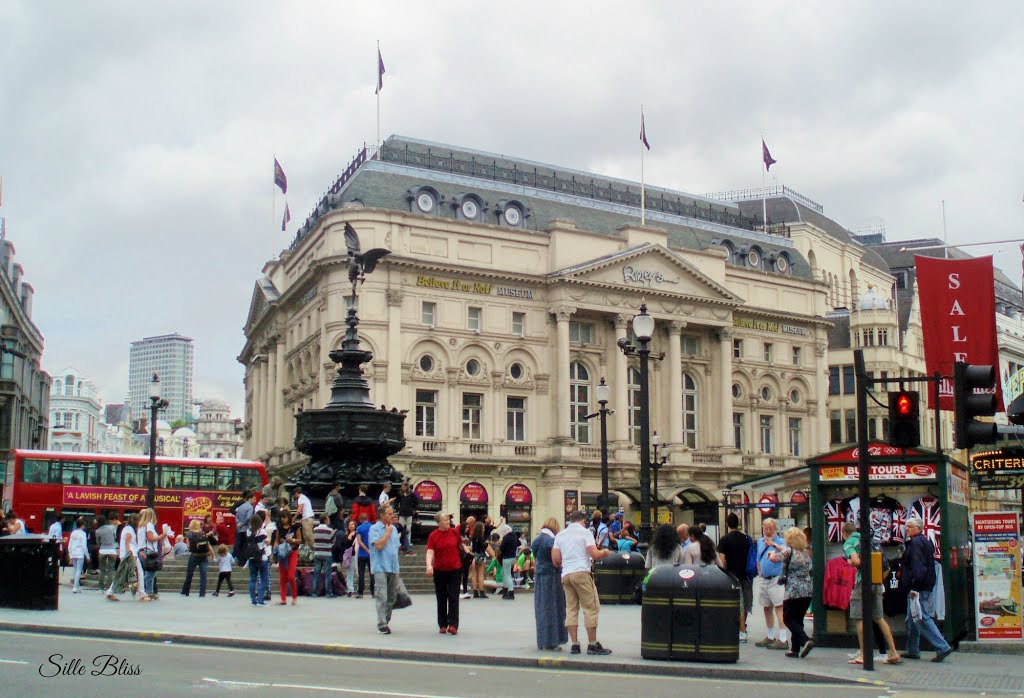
287 217
380 71
643 131
279 178
768 159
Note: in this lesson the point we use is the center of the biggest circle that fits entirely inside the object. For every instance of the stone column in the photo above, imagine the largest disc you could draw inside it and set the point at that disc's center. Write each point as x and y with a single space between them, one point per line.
675 382
725 389
277 400
620 384
822 425
257 408
271 402
250 415
453 396
394 349
497 407
562 314
265 381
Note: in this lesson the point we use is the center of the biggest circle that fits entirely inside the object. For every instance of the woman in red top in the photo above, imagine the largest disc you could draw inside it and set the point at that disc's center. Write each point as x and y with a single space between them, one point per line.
444 564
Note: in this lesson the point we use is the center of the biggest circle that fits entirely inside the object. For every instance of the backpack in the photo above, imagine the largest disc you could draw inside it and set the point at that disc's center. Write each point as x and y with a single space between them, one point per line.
331 505
251 551
751 559
200 545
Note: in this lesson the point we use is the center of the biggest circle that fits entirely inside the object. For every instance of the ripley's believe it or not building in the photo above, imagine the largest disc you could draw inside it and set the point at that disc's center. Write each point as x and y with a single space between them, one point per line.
498 311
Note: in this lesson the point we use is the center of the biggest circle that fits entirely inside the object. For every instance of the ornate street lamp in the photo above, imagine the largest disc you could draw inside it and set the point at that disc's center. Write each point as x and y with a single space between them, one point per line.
643 330
656 464
156 404
604 392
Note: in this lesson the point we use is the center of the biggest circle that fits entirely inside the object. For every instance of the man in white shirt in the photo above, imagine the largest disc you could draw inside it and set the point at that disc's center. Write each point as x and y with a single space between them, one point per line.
574 549
385 499
304 513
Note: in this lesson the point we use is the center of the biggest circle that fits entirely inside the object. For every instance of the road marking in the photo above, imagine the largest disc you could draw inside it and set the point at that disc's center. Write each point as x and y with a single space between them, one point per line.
329 689
11 661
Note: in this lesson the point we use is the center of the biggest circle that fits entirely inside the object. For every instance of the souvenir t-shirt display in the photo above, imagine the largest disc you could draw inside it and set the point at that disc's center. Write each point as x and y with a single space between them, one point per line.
883 511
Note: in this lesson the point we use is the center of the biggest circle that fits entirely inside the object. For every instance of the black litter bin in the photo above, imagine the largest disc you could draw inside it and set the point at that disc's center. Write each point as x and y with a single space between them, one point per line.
29 572
616 575
691 613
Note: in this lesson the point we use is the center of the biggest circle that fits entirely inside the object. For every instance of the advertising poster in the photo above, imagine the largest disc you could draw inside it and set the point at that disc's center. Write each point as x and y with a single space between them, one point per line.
997 576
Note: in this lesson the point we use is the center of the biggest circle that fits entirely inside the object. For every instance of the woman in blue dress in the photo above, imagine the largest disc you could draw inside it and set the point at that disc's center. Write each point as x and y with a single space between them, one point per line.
548 597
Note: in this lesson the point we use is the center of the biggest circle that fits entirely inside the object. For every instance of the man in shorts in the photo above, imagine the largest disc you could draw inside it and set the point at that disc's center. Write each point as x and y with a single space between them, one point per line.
851 551
767 590
574 550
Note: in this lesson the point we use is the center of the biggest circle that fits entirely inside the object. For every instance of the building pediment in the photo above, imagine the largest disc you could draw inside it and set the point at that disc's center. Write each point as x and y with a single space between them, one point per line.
651 269
263 295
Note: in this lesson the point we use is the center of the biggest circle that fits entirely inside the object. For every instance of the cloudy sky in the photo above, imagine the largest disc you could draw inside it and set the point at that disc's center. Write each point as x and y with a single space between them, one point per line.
136 139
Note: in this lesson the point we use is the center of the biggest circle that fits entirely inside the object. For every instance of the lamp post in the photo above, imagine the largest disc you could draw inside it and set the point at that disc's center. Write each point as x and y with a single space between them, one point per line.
603 394
656 464
156 404
643 329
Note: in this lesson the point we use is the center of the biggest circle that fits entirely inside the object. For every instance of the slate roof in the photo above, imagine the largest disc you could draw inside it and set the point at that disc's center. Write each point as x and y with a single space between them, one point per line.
591 202
115 414
839 333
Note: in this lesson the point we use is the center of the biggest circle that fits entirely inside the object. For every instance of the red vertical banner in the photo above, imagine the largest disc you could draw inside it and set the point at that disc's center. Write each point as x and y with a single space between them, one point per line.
958 318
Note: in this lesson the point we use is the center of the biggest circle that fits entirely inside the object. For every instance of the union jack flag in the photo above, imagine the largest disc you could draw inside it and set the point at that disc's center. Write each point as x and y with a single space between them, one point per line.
899 525
835 520
927 509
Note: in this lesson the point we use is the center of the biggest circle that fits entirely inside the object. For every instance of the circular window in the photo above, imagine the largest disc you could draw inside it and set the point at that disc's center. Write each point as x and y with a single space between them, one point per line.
472 367
426 363
516 371
737 391
469 208
766 393
782 264
425 202
794 397
512 215
753 258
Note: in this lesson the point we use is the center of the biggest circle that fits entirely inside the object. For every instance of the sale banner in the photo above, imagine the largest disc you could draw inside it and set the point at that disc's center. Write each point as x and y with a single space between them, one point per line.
958 318
997 561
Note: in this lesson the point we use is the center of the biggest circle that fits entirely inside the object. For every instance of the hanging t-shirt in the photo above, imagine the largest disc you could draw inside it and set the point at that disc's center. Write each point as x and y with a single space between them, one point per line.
880 516
927 509
834 518
899 525
894 595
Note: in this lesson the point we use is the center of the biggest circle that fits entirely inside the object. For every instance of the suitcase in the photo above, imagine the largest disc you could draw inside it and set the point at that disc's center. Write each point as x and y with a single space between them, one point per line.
305 579
338 583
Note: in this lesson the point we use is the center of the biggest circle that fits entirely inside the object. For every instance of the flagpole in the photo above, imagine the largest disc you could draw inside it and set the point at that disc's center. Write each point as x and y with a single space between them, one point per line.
643 191
378 95
764 192
273 212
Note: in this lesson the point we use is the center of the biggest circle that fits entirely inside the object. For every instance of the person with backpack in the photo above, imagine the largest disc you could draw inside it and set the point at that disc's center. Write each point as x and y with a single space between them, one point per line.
198 556
243 517
918 570
734 551
332 507
256 555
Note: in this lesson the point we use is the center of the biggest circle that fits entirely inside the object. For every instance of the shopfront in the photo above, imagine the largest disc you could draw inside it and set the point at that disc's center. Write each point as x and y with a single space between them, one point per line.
518 508
473 501
430 496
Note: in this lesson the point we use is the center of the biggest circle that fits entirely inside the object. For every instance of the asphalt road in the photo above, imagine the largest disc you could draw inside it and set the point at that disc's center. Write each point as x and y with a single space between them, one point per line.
47 665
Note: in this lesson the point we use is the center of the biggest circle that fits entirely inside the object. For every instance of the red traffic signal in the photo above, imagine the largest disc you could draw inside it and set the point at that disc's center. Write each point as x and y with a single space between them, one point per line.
904 419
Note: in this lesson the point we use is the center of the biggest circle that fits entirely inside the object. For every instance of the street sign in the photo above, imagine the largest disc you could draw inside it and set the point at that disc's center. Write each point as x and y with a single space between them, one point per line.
999 469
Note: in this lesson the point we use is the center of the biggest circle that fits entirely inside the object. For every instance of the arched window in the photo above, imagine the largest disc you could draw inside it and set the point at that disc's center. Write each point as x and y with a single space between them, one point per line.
579 402
634 406
69 386
689 411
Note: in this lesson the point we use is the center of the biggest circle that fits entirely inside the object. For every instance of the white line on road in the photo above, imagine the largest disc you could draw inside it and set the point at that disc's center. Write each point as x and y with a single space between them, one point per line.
11 661
331 689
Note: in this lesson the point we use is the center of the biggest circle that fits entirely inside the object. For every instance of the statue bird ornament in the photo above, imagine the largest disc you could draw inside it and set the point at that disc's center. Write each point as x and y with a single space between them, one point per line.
360 263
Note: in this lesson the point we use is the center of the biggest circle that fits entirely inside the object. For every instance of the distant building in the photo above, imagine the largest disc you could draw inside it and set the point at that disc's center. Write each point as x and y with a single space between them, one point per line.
76 413
24 386
219 435
116 436
172 358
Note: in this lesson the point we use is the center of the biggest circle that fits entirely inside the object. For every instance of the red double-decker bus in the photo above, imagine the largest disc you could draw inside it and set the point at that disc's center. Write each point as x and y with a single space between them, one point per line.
43 485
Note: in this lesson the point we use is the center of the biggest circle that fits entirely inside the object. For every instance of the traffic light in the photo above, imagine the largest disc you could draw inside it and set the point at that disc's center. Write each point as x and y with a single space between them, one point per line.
904 419
968 404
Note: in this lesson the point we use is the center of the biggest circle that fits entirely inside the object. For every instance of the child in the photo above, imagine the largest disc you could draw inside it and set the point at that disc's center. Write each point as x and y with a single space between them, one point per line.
524 566
224 565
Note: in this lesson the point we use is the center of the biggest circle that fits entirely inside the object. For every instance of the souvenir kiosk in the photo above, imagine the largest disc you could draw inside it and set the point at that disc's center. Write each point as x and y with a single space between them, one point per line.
904 483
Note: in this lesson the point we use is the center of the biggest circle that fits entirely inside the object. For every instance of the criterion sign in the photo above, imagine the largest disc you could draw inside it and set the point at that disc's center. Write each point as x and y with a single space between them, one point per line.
998 469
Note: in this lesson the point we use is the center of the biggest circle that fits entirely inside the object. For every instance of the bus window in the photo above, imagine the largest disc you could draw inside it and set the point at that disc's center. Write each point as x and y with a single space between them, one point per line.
33 470
249 479
136 475
170 476
79 473
189 477
225 480
69 518
111 474
207 479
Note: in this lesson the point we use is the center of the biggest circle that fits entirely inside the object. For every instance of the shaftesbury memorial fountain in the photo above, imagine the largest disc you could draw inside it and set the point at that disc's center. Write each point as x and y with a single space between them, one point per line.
349 441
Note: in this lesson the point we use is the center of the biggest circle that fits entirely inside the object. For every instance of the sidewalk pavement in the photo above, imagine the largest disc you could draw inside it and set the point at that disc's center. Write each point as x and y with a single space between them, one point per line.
491 631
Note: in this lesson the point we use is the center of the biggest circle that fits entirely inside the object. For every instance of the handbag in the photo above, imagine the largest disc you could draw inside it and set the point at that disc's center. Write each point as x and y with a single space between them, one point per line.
781 581
402 598
282 551
152 561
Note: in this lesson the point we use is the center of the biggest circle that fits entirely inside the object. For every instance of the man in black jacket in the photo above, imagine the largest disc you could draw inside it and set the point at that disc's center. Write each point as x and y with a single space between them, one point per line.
918 570
406 503
509 551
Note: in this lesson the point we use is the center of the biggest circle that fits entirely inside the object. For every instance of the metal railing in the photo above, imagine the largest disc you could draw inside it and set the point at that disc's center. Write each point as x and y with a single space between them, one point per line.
756 193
